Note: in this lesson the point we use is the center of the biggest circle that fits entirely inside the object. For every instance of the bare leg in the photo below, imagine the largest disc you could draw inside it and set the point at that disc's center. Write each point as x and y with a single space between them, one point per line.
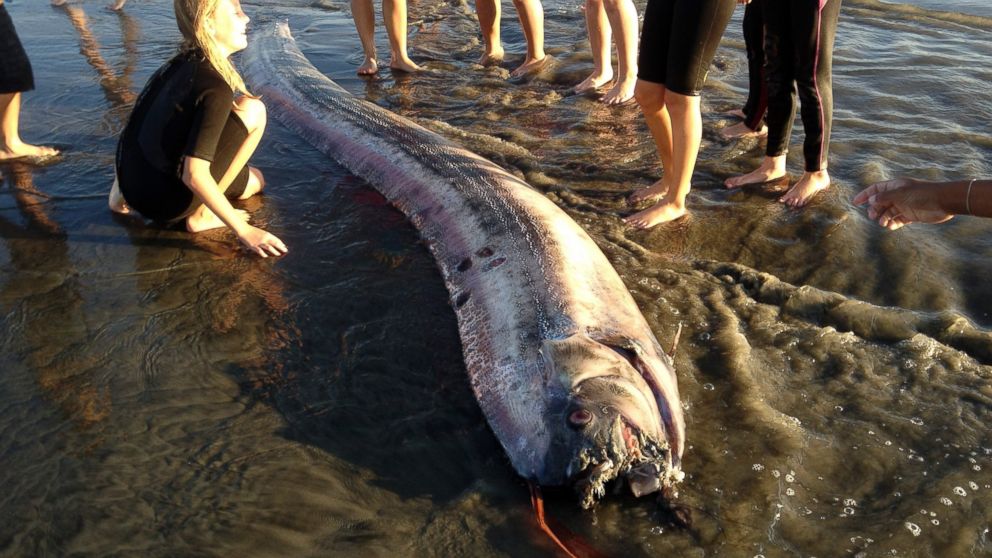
687 132
364 15
531 14
252 113
771 168
116 200
623 19
651 98
11 146
394 12
804 190
489 16
598 27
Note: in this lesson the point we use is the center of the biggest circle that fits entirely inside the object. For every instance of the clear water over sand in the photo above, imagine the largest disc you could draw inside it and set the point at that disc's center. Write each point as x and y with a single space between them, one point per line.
164 396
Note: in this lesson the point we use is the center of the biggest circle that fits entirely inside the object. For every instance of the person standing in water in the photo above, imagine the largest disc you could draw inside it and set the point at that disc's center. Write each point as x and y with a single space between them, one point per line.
183 154
394 14
753 112
531 14
900 202
16 77
603 19
799 44
116 5
678 42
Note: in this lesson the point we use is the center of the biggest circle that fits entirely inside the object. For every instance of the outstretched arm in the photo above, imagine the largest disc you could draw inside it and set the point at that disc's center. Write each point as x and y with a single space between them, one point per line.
196 175
899 202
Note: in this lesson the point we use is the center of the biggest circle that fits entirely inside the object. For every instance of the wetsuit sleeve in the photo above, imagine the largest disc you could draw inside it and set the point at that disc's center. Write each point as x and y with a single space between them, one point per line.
210 113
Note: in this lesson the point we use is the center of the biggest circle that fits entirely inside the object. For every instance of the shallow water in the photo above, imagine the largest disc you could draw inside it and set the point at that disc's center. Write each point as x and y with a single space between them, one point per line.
163 395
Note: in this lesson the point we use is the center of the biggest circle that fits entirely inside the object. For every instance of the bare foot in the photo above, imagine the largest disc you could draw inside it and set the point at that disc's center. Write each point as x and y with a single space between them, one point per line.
771 168
653 192
530 66
739 113
804 190
117 6
369 68
58 2
594 81
622 92
492 58
740 130
661 212
203 219
21 149
404 65
116 200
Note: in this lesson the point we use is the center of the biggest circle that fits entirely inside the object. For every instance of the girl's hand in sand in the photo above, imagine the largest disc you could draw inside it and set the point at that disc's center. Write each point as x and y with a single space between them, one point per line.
262 242
899 202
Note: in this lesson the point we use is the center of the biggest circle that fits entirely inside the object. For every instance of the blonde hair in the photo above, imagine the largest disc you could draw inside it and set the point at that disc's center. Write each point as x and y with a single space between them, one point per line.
191 17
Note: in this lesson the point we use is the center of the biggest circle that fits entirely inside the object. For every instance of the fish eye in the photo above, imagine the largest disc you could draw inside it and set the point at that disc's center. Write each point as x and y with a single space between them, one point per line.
579 417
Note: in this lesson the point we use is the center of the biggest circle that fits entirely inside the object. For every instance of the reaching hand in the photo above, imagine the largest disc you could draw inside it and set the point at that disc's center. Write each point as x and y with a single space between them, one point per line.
895 203
262 242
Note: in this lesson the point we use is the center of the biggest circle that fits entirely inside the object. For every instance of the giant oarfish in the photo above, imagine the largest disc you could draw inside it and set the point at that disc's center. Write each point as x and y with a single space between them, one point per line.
566 370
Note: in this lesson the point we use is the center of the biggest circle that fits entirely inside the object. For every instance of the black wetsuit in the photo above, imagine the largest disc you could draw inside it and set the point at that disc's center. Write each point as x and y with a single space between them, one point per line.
15 68
754 42
184 110
799 44
678 41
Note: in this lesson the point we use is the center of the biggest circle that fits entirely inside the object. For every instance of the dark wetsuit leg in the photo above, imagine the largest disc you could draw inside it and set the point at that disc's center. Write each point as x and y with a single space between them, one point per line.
799 40
754 41
814 80
15 68
678 41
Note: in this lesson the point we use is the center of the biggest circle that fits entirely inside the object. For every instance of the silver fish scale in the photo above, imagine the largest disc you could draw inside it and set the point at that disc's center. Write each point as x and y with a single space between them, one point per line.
520 287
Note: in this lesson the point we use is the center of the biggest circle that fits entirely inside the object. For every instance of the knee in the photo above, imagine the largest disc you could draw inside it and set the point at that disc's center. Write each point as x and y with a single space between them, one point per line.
678 103
612 6
650 96
256 183
252 113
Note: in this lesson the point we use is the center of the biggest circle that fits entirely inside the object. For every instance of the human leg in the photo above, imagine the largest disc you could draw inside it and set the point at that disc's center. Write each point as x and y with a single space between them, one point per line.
623 20
394 13
364 16
754 41
599 30
687 132
11 144
753 113
651 98
531 14
779 74
815 29
488 12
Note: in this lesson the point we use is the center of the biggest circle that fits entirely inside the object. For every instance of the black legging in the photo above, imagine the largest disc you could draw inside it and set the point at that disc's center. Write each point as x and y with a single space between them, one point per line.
754 42
799 44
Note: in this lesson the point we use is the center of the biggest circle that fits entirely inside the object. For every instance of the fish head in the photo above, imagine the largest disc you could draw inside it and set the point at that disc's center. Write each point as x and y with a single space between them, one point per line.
609 422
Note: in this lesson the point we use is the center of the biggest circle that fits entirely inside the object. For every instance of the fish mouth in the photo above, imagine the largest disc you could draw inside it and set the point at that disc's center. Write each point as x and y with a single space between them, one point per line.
630 455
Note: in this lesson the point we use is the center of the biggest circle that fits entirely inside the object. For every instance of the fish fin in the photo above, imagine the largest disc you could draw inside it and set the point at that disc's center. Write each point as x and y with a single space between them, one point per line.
576 547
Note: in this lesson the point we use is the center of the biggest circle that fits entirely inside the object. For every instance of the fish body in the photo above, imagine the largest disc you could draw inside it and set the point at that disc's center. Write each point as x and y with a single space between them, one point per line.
564 366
